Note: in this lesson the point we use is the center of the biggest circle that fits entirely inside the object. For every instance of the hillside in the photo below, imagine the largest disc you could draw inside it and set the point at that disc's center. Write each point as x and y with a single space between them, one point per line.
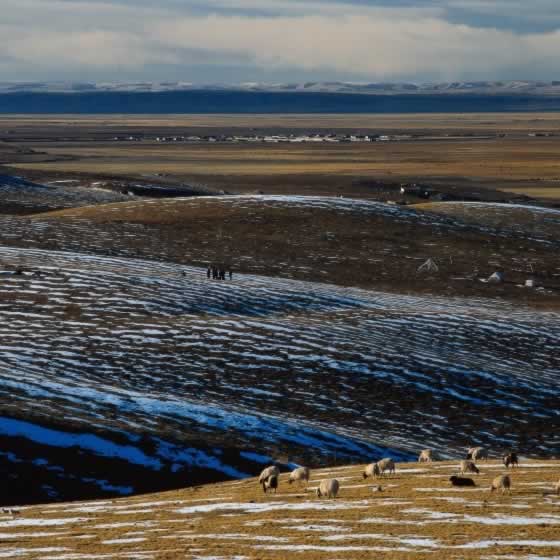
339 241
416 515
121 375
123 369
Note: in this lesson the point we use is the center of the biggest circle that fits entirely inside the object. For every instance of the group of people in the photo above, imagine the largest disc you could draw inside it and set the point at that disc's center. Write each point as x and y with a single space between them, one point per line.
218 273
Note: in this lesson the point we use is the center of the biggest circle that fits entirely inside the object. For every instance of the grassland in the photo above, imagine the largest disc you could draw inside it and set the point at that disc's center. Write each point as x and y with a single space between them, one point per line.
490 151
497 159
338 241
416 515
113 328
482 122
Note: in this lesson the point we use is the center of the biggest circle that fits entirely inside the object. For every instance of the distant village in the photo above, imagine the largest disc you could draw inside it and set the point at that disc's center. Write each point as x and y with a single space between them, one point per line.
272 138
303 138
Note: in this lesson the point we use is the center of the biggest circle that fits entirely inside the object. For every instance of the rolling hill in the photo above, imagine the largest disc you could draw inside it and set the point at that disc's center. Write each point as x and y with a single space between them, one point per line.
124 369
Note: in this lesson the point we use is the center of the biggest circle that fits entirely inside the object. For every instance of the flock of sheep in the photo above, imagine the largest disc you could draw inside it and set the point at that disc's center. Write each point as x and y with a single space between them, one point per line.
329 488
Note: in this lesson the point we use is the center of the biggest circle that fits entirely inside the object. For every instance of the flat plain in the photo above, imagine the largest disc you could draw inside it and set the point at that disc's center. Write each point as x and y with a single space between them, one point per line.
515 151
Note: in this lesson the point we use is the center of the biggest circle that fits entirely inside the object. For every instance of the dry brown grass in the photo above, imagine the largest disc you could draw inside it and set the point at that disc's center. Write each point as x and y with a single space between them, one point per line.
543 222
275 239
533 160
75 145
551 192
374 524
482 122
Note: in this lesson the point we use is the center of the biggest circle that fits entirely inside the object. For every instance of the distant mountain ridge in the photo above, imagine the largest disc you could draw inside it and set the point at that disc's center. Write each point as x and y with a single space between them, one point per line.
521 87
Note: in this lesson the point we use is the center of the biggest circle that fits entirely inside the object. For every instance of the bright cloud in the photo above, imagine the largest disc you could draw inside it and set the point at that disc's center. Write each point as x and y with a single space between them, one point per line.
190 39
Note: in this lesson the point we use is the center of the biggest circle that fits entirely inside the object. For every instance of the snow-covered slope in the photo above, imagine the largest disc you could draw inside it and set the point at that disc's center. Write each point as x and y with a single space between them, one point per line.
121 374
386 88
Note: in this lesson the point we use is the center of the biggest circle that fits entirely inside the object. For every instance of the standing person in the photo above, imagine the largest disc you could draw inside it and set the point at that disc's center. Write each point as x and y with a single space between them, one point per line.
230 274
214 273
208 272
222 274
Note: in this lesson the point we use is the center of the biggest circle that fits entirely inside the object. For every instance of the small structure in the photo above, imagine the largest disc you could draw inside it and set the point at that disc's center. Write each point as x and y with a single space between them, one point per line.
414 189
428 266
496 278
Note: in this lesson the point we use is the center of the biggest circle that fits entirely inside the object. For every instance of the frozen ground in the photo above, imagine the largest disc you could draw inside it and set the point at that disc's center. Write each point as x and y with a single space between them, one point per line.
150 366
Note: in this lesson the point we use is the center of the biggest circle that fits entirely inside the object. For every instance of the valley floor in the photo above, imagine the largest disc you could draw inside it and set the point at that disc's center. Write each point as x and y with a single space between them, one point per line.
418 514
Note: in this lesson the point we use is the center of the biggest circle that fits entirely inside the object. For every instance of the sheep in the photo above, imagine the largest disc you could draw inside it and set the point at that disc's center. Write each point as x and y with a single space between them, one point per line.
300 474
379 468
511 459
477 453
268 472
368 471
328 488
501 482
384 465
467 466
425 456
270 483
461 481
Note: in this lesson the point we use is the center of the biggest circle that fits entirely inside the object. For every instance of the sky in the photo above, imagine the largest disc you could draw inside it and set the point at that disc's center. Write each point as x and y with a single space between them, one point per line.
234 41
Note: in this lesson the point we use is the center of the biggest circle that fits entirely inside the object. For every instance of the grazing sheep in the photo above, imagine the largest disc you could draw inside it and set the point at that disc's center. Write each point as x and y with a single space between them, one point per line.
368 471
425 456
270 483
511 459
467 466
477 453
461 481
384 465
501 482
268 472
328 488
379 468
301 474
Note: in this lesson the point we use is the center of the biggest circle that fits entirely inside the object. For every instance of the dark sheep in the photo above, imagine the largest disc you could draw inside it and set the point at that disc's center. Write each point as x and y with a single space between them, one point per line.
271 483
461 481
511 459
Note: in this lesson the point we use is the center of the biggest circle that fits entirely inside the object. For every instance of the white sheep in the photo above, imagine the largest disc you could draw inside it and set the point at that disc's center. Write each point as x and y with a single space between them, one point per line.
328 488
467 466
477 453
268 472
368 471
301 474
501 482
426 456
379 468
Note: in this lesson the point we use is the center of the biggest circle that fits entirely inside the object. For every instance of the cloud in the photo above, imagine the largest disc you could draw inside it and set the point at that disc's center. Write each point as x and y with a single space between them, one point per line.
369 40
